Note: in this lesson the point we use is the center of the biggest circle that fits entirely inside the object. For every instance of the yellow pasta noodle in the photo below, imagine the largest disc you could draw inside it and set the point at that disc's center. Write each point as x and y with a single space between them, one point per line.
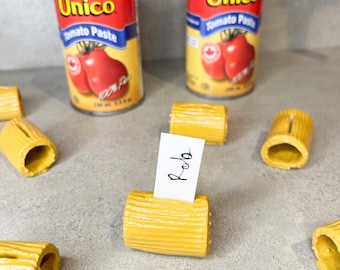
204 121
167 226
288 142
10 103
27 148
29 256
326 246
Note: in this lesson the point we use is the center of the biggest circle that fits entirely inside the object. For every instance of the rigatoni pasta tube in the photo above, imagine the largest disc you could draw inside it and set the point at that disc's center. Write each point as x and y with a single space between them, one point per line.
326 246
167 226
27 148
10 103
29 256
288 142
204 121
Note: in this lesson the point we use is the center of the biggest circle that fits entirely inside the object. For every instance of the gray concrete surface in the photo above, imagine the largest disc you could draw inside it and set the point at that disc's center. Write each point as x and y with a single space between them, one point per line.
262 217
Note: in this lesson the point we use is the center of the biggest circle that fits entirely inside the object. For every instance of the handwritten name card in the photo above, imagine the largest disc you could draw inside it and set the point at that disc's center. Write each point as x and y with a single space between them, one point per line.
179 161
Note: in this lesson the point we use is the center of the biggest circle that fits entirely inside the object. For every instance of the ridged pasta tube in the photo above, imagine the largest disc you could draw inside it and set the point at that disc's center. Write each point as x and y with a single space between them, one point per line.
167 226
326 246
27 148
28 256
204 121
288 142
10 103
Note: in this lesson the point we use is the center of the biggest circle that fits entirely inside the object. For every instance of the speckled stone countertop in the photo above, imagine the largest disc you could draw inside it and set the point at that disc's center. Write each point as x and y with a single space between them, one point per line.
262 217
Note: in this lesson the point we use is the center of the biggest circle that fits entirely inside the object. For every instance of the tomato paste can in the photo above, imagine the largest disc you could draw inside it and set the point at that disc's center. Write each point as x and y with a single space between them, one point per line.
102 54
222 46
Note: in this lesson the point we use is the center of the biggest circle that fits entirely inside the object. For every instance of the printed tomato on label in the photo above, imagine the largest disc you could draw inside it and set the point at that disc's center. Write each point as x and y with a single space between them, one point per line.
94 71
212 61
107 77
239 57
77 74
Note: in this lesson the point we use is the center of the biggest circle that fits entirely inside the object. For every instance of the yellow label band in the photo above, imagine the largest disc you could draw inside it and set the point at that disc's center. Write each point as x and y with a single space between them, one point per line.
326 246
204 121
27 148
167 226
10 103
288 142
29 256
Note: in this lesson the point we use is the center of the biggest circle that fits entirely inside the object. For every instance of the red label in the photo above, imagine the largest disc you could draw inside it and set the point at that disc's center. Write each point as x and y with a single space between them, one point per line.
209 8
113 13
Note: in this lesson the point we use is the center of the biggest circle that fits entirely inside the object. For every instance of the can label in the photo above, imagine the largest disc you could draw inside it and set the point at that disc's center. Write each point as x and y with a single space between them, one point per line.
101 49
221 46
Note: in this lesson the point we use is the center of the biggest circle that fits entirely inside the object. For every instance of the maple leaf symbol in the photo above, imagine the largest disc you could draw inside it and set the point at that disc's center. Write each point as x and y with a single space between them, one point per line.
71 62
209 51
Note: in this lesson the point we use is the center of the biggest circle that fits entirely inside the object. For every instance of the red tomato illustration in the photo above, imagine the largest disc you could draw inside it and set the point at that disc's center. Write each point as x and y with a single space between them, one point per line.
239 58
107 77
212 61
77 74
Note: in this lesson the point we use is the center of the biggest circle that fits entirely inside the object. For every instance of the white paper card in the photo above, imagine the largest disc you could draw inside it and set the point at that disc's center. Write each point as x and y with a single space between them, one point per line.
179 161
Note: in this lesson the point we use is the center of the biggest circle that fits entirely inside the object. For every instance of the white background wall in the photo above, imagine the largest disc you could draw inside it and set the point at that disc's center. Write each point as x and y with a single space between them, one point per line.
29 35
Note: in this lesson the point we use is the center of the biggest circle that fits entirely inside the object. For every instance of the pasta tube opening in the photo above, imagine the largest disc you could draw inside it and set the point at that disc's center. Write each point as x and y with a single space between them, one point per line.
39 158
26 147
285 153
48 261
29 255
288 141
326 246
328 253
